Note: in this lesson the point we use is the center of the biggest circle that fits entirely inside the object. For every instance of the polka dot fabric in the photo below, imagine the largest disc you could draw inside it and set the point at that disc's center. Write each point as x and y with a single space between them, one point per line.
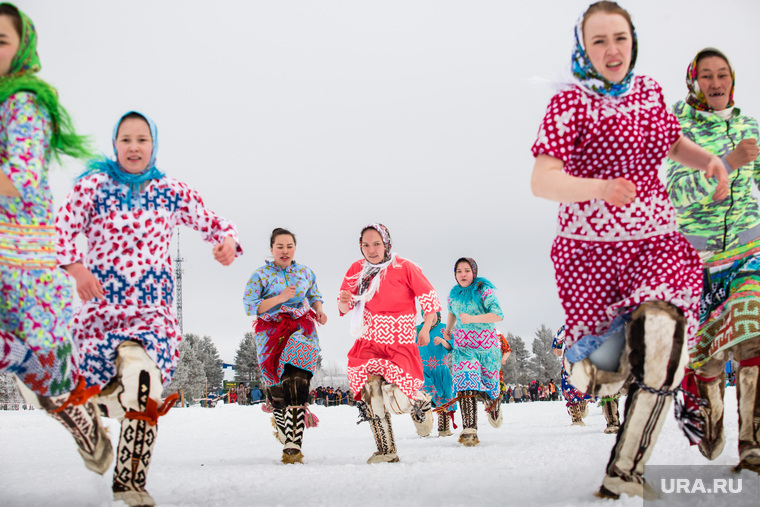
609 260
607 138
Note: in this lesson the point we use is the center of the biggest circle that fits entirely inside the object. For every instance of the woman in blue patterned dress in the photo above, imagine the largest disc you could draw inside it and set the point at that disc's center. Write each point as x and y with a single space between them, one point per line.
473 309
284 298
436 365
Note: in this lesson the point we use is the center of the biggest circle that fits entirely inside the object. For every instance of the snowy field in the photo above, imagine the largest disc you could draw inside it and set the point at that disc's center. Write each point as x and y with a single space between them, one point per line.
227 456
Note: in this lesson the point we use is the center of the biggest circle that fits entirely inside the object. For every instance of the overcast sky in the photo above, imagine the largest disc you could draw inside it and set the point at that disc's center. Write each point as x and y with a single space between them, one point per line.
323 116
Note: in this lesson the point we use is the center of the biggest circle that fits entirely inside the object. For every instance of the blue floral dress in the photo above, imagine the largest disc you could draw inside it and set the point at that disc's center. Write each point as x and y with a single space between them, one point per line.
270 280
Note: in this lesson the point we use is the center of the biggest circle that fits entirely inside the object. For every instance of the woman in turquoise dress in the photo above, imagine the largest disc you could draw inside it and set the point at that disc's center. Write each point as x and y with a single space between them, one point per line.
473 310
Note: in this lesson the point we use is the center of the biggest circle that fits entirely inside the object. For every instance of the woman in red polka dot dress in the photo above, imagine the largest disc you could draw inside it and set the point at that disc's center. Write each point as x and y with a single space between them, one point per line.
628 281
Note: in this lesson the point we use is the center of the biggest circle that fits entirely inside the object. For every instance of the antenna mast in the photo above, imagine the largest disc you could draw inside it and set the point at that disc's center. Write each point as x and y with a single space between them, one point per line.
178 278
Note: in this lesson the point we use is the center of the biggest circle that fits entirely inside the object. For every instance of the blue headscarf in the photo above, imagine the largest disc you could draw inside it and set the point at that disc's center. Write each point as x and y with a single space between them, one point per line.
471 293
114 169
589 77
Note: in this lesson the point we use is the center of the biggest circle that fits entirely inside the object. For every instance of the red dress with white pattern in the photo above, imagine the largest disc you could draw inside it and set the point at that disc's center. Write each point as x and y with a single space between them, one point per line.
128 252
388 346
609 260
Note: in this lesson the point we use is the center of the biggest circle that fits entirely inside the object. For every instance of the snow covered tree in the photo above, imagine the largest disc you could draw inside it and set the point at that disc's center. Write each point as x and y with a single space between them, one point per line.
545 364
518 367
212 364
247 367
190 375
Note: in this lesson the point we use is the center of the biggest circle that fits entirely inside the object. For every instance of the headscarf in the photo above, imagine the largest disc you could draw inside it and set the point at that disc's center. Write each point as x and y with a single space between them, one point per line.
369 271
20 77
471 262
696 97
115 171
471 293
589 77
369 278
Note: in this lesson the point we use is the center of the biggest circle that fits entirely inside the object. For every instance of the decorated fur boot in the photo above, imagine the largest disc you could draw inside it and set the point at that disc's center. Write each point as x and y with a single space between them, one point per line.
294 426
379 422
748 378
278 423
82 419
136 404
469 406
611 414
576 416
493 412
135 451
289 400
657 358
712 390
444 424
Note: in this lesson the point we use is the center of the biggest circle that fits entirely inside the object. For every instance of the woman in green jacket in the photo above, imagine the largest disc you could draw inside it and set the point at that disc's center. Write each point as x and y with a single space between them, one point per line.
727 234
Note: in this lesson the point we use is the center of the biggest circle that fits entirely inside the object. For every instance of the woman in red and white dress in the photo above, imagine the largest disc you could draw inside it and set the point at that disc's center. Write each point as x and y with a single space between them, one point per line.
384 365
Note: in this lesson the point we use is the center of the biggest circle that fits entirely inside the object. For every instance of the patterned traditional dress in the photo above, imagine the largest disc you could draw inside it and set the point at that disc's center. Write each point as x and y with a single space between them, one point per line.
302 347
609 260
35 297
477 349
436 365
728 232
128 252
387 346
569 391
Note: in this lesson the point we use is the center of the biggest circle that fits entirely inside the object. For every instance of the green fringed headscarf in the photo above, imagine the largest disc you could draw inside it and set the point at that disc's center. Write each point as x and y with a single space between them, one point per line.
21 77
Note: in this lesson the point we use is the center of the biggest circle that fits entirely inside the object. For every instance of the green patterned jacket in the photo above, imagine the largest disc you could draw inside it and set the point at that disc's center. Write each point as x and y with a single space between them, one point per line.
708 225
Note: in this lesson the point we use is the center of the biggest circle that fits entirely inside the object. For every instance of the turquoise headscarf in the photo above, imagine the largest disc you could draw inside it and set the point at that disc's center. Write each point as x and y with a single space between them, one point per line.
114 169
589 77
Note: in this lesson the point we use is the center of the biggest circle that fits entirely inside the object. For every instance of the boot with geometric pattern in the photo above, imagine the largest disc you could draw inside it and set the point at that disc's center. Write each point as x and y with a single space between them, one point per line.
294 426
135 451
444 427
380 422
386 443
81 418
469 406
278 422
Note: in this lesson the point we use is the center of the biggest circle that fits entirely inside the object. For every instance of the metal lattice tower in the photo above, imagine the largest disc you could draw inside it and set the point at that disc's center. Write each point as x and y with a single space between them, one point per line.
178 260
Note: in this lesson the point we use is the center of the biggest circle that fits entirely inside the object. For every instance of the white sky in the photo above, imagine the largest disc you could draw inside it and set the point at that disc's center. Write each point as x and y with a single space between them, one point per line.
322 116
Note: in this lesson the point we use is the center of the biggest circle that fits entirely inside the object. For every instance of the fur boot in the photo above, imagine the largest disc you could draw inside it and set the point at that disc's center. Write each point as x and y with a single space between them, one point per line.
82 419
611 414
657 357
288 400
444 424
576 416
135 452
469 407
294 426
380 422
278 423
713 390
138 395
747 379
494 415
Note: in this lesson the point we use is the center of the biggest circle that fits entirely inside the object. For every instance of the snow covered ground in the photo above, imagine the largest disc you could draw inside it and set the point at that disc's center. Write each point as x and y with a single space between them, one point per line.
227 456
